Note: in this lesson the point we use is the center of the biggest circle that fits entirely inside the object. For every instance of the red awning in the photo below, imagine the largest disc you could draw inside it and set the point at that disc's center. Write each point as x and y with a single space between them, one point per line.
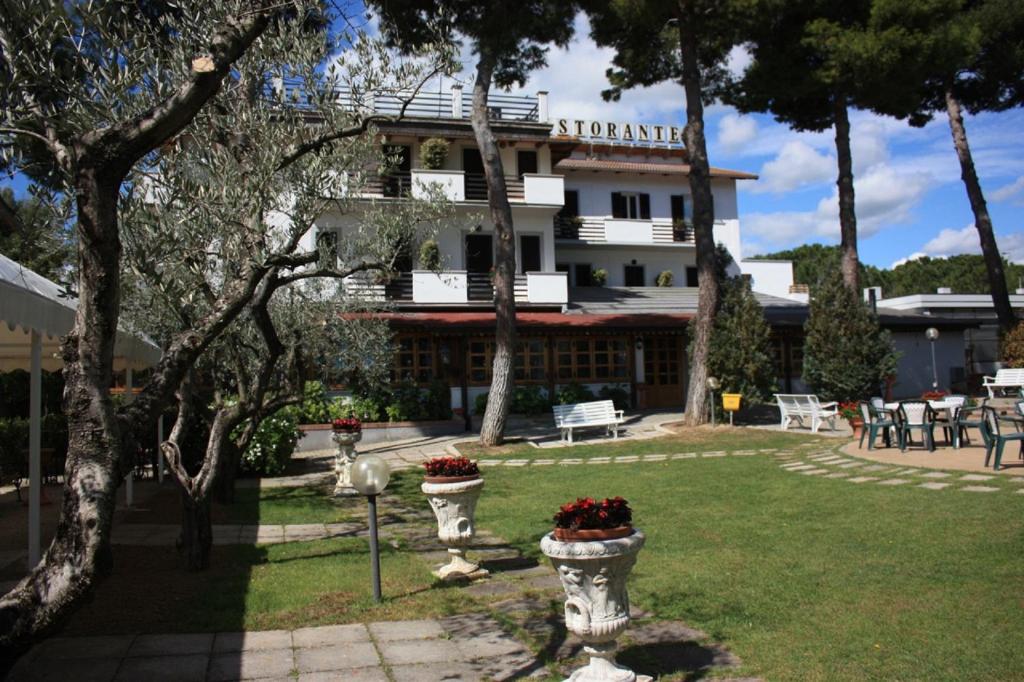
527 320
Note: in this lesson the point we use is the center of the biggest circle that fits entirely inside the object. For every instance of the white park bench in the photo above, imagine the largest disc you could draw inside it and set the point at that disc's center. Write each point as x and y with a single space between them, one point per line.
797 407
1004 378
587 415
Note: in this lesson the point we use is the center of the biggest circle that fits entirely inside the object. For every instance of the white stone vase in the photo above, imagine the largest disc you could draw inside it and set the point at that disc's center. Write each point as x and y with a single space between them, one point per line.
344 459
454 503
593 575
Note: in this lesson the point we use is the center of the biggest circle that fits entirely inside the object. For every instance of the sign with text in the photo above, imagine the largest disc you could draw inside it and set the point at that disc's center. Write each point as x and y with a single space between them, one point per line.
620 132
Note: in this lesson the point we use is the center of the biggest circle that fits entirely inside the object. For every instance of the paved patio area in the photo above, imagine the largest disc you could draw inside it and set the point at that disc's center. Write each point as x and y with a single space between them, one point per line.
967 458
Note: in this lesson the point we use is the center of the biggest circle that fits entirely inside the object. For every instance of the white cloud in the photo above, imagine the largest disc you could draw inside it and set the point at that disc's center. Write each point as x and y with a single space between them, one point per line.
917 255
797 165
950 242
735 131
1009 191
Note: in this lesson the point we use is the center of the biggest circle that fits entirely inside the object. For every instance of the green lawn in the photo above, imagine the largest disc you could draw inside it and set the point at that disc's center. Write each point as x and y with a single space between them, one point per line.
803 577
272 506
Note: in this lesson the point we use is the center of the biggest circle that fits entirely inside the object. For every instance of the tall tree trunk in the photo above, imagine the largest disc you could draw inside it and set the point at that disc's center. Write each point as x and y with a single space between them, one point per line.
982 221
850 264
499 400
80 551
703 218
196 537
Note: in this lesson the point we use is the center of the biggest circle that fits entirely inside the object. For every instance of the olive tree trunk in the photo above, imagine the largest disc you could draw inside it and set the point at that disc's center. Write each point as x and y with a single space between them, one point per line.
850 263
703 219
499 399
982 220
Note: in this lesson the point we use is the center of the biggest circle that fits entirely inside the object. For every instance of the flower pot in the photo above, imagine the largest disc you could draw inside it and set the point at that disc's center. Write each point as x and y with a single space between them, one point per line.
582 535
343 460
857 425
453 499
593 575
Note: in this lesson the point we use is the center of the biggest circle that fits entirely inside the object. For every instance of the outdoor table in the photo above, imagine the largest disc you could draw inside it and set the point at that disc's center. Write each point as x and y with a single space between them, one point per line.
947 405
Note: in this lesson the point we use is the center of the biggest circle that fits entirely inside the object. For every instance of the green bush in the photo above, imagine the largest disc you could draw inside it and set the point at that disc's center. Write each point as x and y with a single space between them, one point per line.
1011 347
599 277
272 446
480 404
433 153
437 403
741 355
315 407
665 278
370 408
617 393
13 444
406 404
430 255
527 400
573 393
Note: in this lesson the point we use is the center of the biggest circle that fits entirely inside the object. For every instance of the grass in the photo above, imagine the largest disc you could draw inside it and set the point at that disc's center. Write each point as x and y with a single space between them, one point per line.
805 578
274 506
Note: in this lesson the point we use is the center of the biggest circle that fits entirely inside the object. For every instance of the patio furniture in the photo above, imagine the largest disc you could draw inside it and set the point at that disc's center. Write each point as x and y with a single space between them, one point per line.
875 421
797 407
1004 378
1019 406
996 439
969 417
587 415
946 418
917 414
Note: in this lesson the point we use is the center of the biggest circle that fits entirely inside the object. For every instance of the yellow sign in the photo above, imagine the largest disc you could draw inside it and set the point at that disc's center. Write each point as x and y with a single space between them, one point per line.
731 401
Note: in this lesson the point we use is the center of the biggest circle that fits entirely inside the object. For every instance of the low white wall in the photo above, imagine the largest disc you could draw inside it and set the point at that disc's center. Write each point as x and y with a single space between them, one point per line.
628 231
439 287
547 287
544 189
453 183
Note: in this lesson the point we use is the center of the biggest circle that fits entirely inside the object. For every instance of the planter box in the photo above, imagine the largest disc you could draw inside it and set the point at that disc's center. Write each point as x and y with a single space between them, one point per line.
318 436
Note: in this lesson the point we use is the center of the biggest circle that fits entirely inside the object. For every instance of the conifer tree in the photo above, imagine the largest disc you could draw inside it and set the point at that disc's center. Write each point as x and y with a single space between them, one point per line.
741 348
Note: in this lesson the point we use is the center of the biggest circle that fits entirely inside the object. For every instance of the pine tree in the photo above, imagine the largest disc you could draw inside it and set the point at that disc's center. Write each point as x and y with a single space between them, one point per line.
741 349
847 355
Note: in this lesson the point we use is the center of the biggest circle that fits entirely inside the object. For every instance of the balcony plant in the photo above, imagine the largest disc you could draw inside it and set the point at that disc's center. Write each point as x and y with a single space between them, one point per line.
599 277
434 153
664 278
430 255
593 572
453 486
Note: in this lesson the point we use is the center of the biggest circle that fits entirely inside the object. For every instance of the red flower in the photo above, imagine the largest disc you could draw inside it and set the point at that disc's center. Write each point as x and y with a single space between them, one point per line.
451 466
349 425
586 514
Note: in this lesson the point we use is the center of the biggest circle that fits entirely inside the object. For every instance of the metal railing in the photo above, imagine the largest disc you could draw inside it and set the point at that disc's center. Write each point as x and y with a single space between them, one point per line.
476 187
393 184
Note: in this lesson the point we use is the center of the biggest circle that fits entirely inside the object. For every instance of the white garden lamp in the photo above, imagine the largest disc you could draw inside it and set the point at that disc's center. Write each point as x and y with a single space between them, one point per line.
370 475
932 334
713 385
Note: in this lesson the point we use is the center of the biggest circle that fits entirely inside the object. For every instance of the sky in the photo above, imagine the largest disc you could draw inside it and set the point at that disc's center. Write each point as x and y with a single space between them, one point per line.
910 200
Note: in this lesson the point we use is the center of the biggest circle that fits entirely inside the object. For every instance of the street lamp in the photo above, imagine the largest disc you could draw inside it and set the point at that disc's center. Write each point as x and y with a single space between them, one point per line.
932 334
370 475
713 385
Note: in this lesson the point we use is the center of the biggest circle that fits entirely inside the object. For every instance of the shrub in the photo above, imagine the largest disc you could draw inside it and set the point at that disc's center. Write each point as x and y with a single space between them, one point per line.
741 355
315 407
480 404
433 153
664 278
13 444
847 356
617 393
406 404
528 400
574 393
587 514
430 255
273 444
451 466
369 408
599 277
1011 347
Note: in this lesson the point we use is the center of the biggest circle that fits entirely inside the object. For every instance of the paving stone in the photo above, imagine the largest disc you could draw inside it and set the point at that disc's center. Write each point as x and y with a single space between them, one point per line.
837 462
491 588
1021 491
717 453
419 651
304 531
976 477
449 672
979 488
684 455
250 665
933 486
862 479
64 670
837 474
628 458
190 668
571 461
406 629
375 674
171 645
655 458
745 453
813 472
894 481
489 462
542 462
599 460
336 657
252 641
799 467
876 467
488 645
113 646
851 465
330 635
335 530
935 474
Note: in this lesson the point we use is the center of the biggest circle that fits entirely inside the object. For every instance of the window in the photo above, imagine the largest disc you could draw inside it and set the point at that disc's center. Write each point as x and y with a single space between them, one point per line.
691 277
415 360
631 205
680 230
526 162
634 275
529 253
591 359
398 162
530 361
581 274
571 209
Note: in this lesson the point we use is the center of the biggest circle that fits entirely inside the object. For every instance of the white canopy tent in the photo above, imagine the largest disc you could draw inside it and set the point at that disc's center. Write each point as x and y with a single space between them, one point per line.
34 317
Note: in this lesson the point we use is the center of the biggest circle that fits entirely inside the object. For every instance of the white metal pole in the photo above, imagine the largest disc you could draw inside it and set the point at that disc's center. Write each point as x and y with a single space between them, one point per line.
129 489
35 478
159 455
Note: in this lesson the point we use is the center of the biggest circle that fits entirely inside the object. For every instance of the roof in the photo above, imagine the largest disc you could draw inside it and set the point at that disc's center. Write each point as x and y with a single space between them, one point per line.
446 320
645 167
922 301
652 300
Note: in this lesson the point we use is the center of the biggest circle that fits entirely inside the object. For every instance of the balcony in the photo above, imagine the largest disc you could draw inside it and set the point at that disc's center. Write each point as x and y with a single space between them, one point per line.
456 287
457 185
601 230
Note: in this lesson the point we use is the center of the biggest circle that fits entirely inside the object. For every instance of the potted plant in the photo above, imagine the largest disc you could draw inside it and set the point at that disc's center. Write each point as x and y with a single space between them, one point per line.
665 278
599 277
453 486
593 547
430 255
434 153
850 411
346 433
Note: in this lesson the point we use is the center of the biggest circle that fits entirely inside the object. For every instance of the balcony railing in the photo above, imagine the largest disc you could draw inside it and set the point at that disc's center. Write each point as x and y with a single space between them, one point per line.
476 187
455 287
617 231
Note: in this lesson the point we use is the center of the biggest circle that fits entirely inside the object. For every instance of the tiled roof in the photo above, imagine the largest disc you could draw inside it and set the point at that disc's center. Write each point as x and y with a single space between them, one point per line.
645 300
645 167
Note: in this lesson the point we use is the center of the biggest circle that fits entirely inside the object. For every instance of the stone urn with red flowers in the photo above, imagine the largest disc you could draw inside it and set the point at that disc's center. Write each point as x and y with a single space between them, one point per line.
346 433
593 547
453 486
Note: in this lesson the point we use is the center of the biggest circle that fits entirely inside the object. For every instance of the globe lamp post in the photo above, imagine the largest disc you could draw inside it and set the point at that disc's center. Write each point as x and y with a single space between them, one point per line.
713 385
370 475
932 334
